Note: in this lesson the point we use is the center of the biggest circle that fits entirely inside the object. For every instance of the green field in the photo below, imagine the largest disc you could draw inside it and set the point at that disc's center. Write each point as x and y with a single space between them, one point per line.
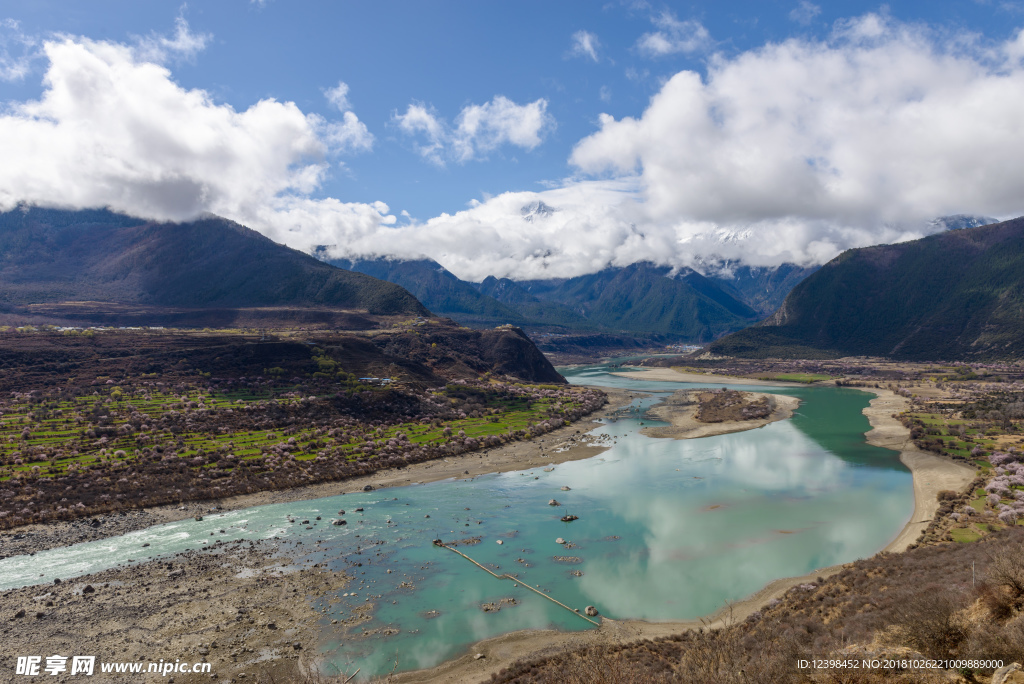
46 438
798 377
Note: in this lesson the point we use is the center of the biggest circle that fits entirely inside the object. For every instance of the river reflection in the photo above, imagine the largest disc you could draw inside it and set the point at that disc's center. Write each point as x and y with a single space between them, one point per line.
667 529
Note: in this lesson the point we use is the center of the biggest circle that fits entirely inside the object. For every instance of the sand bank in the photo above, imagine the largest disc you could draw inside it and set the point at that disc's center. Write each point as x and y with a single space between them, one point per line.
931 473
683 424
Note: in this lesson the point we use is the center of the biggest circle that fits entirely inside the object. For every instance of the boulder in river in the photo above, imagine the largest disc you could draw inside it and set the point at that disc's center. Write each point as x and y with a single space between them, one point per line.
554 502
559 541
339 521
591 611
565 488
368 488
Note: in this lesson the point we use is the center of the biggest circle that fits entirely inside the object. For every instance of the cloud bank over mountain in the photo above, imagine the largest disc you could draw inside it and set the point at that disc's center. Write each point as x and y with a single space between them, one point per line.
790 152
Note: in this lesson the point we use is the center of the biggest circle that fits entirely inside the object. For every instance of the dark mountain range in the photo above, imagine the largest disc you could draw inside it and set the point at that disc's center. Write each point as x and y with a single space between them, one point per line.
53 259
98 267
640 299
954 295
763 288
529 307
645 298
436 287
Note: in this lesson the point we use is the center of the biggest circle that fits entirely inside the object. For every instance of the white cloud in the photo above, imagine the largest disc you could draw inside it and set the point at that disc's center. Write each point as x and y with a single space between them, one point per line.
183 45
350 134
587 228
478 129
585 44
338 96
605 93
797 150
674 36
17 50
805 12
420 120
790 152
111 130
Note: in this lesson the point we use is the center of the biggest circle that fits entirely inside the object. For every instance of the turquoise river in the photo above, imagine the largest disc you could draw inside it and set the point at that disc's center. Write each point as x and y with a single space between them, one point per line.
667 530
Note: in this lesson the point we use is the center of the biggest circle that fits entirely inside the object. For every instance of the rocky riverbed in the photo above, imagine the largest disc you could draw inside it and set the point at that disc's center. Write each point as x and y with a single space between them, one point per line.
243 607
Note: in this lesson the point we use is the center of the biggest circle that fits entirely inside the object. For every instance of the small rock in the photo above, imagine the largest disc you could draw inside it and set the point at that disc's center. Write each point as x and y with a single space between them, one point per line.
199 518
339 521
559 541
500 542
590 610
565 489
56 580
368 488
554 502
1005 675
296 645
426 516
360 510
88 589
271 625
20 613
479 656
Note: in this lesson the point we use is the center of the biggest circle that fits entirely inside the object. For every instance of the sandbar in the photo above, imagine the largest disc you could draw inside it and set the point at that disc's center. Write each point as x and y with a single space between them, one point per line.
683 424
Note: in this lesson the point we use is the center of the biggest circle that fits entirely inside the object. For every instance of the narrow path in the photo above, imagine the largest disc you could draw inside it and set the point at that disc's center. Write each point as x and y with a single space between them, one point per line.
517 581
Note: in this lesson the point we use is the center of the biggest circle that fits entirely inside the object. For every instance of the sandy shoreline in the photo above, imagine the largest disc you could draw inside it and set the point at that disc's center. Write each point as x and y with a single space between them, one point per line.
931 474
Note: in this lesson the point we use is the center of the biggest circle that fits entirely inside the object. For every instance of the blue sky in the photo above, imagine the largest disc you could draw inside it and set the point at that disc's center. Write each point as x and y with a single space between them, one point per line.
540 76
